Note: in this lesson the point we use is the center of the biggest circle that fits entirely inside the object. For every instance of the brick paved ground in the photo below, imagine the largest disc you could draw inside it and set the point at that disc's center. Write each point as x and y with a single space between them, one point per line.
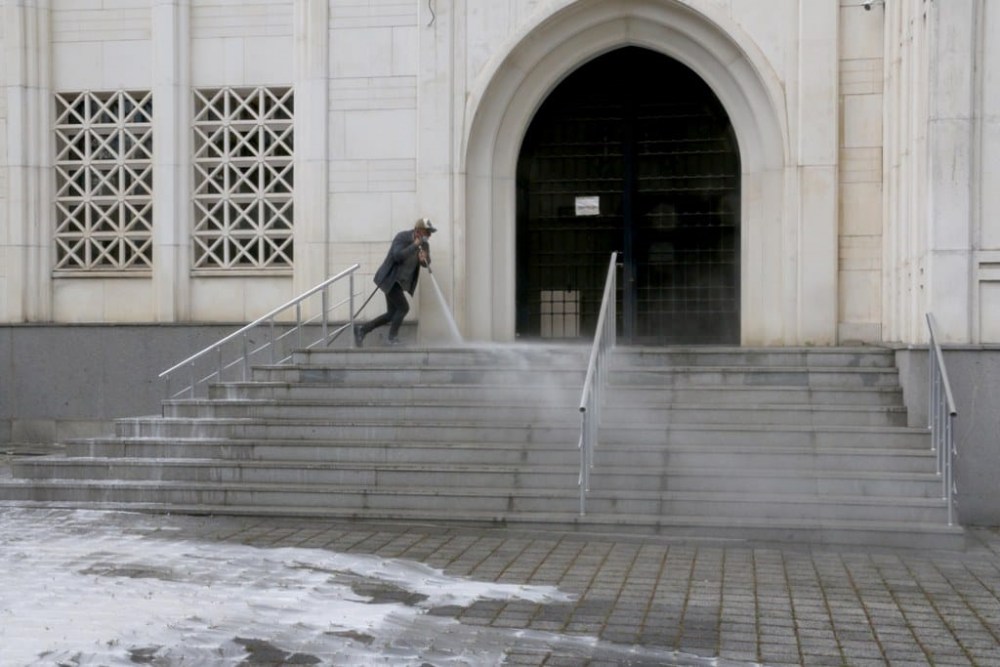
776 605
746 604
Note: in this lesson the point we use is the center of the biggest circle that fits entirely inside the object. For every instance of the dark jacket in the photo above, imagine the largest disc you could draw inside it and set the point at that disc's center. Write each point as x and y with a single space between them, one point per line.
402 263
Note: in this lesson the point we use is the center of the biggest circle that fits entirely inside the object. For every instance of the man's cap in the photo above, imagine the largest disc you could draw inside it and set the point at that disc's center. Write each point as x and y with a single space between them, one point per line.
425 224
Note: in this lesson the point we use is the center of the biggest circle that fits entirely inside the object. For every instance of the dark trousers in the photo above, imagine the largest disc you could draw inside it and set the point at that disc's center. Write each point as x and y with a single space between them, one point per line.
396 308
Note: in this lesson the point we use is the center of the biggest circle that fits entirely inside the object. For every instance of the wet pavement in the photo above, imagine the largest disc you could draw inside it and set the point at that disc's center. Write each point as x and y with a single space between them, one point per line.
94 588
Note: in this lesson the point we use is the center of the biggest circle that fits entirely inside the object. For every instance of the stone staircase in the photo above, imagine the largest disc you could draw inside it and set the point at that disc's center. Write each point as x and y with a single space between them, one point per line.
808 445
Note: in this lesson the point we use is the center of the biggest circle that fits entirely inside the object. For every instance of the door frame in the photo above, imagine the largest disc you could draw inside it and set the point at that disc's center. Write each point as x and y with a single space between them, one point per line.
515 86
616 83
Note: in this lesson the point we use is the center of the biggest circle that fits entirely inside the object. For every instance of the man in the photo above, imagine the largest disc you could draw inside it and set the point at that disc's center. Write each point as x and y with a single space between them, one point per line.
398 274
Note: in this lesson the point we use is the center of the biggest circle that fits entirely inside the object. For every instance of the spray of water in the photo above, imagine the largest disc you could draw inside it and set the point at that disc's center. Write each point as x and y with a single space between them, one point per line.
446 311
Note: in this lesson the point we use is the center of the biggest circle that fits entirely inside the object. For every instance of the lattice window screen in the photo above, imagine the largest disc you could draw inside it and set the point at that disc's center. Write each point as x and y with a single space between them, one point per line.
104 181
243 147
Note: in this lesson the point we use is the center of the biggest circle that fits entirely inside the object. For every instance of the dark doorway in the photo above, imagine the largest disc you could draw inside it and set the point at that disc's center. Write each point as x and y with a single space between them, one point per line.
632 152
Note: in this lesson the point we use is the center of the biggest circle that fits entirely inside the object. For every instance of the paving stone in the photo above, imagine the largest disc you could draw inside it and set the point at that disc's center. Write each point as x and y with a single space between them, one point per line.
643 592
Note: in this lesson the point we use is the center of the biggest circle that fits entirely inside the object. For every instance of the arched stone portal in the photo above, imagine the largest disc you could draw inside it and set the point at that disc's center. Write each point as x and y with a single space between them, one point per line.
514 87
632 153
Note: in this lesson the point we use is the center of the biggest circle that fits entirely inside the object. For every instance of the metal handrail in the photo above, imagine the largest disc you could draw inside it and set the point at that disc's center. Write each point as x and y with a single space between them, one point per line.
275 332
593 385
941 415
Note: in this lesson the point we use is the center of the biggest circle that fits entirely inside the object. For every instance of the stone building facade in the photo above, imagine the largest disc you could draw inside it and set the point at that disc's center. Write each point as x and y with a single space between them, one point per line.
191 162
866 139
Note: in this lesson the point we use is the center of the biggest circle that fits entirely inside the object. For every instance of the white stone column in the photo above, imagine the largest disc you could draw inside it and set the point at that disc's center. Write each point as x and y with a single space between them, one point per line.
172 203
312 228
905 180
892 150
863 107
441 102
30 214
951 145
818 124
986 283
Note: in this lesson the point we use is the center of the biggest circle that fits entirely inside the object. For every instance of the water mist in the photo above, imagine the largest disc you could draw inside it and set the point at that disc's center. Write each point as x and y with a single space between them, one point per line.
456 336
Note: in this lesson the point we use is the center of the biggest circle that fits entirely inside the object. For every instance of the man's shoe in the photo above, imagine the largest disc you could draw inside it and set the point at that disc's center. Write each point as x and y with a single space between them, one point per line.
359 336
393 342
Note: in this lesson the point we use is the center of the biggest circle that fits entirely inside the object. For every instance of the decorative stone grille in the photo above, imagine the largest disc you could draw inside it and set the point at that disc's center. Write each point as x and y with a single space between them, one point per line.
243 148
104 181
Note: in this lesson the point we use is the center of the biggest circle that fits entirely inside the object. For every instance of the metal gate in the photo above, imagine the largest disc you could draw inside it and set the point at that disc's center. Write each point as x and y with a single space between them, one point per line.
632 152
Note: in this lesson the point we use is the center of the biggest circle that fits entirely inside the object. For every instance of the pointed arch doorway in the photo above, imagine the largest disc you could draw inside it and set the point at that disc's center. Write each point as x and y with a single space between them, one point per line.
631 152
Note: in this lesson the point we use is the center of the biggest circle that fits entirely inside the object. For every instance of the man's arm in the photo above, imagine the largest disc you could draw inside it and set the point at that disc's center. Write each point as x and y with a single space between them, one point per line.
402 247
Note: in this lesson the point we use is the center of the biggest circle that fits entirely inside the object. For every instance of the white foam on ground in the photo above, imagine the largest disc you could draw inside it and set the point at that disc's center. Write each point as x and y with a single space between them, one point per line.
95 588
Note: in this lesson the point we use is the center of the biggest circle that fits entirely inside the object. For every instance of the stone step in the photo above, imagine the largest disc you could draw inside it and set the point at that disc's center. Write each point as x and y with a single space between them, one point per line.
619 480
762 415
806 443
646 395
520 356
405 375
530 355
359 451
756 459
733 504
327 474
736 506
631 433
405 412
755 376
536 409
666 377
568 432
393 392
906 534
570 394
867 483
675 457
839 357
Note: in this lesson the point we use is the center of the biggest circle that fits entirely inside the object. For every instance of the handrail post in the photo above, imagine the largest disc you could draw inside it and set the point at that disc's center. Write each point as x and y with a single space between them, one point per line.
931 388
298 323
581 481
952 489
246 357
593 384
323 300
274 341
350 297
267 319
941 417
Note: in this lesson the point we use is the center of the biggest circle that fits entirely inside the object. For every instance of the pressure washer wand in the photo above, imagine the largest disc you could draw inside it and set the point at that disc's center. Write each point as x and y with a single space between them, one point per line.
366 301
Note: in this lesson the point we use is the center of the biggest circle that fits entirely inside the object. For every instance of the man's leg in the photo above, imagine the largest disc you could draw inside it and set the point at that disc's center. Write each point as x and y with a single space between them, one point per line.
362 330
381 320
398 307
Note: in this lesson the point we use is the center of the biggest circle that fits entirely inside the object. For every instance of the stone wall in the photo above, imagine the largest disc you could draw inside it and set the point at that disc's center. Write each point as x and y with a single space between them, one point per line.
955 258
847 119
974 373
4 160
371 111
69 381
